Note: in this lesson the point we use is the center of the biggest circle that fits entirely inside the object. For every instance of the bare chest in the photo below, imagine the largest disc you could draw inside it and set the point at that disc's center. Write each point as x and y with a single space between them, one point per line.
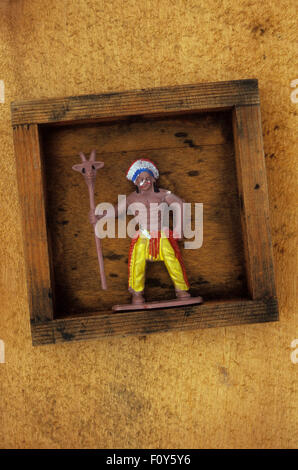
147 200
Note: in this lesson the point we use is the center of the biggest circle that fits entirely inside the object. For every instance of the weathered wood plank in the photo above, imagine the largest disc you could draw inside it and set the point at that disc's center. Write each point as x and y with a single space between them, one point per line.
208 315
253 193
196 160
31 194
197 97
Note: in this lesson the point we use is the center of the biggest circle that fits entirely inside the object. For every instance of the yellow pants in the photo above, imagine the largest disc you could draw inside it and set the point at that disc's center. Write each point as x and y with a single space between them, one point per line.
155 249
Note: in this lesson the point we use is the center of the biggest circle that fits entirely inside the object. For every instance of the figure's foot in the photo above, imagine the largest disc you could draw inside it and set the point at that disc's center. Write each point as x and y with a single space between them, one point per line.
137 298
182 294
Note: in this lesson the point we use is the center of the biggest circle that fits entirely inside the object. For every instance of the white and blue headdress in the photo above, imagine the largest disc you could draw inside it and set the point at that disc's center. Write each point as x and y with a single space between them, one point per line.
138 166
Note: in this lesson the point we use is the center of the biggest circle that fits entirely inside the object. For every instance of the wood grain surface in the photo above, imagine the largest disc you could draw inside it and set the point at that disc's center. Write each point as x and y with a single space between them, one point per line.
195 156
146 322
253 193
197 97
32 200
220 388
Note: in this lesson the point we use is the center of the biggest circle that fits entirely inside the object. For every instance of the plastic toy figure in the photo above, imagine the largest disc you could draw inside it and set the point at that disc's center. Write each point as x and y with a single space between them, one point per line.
153 241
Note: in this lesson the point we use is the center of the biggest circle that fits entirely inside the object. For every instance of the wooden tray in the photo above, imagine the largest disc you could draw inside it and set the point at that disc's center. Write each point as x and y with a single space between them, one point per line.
206 140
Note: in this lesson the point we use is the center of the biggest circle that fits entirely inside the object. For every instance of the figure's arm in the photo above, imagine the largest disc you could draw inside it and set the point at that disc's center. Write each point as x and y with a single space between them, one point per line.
171 198
119 209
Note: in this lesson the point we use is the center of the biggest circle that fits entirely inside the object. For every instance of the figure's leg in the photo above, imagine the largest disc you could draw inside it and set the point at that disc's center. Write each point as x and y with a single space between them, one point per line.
174 264
136 270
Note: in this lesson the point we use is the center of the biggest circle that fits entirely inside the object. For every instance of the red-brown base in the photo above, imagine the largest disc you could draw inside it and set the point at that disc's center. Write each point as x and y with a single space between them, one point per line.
158 304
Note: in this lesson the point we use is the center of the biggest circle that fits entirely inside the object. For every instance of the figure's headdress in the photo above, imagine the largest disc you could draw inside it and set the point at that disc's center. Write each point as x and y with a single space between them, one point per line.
138 166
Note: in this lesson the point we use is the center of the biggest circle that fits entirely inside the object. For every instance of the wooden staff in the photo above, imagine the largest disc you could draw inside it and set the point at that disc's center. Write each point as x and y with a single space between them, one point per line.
88 169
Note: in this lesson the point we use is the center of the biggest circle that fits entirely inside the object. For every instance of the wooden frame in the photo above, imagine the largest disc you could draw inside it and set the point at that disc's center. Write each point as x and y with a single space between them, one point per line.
242 98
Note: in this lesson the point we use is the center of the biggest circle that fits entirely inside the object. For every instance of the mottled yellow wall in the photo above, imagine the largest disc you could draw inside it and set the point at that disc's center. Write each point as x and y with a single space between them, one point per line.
228 387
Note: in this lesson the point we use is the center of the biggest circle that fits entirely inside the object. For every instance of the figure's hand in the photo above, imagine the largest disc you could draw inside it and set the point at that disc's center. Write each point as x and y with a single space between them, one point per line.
94 218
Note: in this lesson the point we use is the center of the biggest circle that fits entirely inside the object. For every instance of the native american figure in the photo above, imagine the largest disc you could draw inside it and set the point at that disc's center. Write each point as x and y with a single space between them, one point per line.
152 241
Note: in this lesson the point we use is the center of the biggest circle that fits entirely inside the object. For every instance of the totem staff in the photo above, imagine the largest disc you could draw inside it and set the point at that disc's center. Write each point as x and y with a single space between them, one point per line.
88 169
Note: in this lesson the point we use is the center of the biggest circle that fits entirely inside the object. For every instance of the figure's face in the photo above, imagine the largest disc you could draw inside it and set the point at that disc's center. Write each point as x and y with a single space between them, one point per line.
144 181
